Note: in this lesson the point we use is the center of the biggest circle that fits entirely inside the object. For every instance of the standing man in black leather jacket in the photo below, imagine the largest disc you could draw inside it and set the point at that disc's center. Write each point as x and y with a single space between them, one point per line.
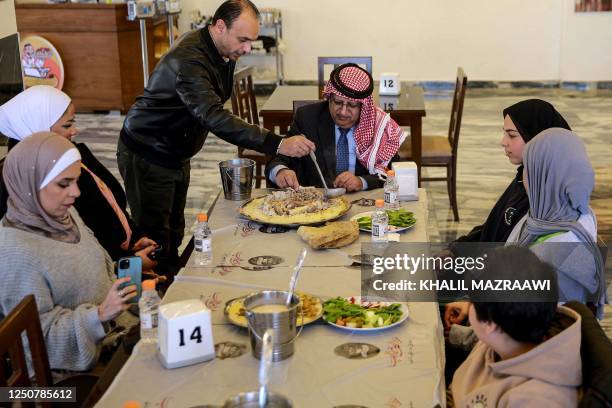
169 122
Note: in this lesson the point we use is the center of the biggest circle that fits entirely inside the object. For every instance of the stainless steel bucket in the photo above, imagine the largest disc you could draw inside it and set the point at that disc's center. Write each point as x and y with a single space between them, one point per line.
237 178
283 324
251 400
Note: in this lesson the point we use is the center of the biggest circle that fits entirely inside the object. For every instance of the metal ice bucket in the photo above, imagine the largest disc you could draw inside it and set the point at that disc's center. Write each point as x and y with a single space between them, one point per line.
237 178
251 400
283 324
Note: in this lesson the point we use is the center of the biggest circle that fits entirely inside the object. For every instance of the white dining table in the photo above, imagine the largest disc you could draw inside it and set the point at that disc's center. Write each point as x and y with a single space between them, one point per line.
406 369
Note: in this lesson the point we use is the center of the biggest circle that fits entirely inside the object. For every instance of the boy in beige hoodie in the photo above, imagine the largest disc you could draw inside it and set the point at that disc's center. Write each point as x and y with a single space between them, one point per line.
528 353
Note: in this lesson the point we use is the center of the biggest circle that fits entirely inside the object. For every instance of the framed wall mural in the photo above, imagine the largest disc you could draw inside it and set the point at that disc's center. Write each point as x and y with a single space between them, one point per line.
592 5
41 63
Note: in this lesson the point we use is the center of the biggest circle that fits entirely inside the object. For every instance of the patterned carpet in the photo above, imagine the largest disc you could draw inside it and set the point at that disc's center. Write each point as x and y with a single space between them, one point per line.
483 170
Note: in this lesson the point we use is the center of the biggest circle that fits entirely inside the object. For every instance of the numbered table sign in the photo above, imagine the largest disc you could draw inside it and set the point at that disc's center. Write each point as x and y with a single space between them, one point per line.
389 84
388 103
185 333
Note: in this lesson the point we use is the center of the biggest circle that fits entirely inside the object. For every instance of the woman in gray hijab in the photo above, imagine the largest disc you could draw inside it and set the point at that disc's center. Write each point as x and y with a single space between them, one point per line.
560 227
47 251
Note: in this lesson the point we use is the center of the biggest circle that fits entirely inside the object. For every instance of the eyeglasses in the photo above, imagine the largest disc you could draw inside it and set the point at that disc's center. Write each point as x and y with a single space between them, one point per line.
349 105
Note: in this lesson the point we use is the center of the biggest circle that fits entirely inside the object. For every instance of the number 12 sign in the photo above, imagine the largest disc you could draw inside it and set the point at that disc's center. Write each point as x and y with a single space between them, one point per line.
185 333
389 84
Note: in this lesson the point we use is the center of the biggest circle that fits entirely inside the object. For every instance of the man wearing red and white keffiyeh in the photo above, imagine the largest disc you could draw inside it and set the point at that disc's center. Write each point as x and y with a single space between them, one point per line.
377 136
355 140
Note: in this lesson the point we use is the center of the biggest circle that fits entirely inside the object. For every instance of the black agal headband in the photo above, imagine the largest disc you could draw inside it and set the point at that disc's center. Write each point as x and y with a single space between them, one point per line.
334 78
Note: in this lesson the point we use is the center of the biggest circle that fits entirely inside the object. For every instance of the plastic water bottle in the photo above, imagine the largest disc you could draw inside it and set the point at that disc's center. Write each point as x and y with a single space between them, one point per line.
202 239
391 191
380 220
148 306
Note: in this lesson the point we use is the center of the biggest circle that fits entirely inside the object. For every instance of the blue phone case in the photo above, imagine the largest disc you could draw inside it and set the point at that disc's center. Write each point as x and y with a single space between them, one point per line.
134 271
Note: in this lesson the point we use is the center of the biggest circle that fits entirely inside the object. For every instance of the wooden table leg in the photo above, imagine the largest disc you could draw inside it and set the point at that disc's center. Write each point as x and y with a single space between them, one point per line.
415 139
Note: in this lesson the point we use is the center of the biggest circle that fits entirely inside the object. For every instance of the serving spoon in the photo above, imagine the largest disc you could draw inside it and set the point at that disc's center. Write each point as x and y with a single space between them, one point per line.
296 274
329 192
264 367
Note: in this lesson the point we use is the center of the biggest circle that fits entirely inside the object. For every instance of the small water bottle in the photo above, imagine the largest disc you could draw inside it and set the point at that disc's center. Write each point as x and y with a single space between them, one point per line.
202 239
391 191
380 220
148 306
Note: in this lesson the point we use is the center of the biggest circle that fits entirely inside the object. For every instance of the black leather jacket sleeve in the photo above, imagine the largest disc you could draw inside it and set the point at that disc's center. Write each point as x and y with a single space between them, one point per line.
196 90
293 163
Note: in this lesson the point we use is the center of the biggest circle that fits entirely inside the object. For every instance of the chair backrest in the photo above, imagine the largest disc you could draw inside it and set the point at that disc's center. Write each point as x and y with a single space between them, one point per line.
299 103
603 248
335 61
23 318
244 103
3 191
596 353
457 110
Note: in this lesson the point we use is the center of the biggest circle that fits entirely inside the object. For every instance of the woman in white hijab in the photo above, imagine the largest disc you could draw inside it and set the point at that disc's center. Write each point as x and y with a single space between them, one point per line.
40 108
102 204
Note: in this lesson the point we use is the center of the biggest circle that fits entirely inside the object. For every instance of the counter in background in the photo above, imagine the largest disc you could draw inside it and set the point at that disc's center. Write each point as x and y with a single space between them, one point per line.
99 47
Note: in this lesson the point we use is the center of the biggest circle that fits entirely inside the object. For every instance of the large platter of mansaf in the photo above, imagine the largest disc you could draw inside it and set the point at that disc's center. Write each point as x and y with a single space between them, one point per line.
305 206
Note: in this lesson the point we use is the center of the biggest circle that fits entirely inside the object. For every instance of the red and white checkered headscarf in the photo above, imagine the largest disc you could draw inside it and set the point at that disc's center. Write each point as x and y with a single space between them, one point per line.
377 136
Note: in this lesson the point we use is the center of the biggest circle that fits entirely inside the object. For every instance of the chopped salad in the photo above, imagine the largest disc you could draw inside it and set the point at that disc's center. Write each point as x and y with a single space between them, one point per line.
350 313
397 218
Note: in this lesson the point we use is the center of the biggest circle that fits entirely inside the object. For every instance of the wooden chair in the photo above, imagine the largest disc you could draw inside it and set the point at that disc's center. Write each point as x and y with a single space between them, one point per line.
441 151
244 105
596 353
24 318
299 103
3 191
335 61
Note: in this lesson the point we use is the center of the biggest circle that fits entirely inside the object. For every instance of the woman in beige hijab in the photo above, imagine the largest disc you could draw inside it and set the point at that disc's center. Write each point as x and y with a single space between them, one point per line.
48 251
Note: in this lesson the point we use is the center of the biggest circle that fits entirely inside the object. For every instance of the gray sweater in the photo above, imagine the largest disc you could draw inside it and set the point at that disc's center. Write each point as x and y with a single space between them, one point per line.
68 281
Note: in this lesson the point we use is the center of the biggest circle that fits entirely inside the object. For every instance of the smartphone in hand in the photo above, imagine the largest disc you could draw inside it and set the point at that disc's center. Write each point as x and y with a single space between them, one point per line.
156 253
131 266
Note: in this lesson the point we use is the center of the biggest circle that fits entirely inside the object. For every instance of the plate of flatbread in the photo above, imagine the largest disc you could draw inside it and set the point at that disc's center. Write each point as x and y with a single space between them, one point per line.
292 208
334 234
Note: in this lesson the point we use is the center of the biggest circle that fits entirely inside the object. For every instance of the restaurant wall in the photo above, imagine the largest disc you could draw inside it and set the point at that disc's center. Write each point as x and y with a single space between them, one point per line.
8 22
586 52
502 40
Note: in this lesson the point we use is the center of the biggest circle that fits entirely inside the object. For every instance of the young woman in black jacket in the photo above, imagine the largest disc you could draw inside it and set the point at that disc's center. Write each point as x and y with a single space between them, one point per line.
522 121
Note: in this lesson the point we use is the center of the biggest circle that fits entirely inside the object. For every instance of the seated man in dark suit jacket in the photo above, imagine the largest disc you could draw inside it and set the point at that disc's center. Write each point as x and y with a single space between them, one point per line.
355 140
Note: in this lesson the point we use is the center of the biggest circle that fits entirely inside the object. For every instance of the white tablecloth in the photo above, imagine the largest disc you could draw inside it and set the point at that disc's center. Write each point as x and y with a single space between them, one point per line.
239 245
408 371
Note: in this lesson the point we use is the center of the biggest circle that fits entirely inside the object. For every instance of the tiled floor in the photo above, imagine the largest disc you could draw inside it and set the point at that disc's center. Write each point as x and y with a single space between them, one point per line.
483 170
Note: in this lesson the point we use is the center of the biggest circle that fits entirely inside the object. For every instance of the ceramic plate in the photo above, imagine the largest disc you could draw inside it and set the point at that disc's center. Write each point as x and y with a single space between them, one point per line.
233 313
392 228
357 300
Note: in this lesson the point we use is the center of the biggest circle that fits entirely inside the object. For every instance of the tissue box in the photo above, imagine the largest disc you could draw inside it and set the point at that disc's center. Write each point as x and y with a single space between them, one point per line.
407 177
185 333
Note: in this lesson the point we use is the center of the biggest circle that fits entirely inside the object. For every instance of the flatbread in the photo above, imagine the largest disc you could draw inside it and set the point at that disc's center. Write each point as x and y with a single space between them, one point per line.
335 234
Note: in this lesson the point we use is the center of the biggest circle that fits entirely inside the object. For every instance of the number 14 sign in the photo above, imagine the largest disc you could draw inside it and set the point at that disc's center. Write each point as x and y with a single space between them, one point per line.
185 333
